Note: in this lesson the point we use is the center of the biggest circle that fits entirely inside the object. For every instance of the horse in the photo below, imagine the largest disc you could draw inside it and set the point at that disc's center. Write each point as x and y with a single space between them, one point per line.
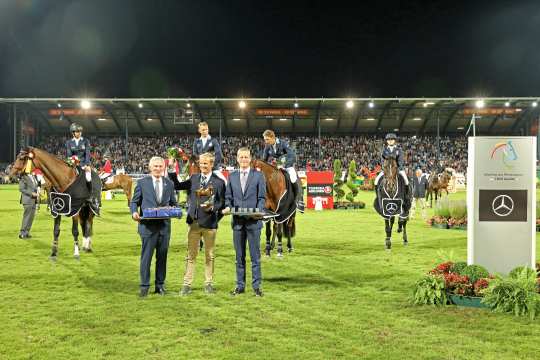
436 184
392 199
120 181
61 176
279 199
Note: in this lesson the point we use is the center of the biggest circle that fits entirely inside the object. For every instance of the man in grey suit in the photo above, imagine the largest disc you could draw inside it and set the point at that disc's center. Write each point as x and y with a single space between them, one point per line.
246 189
419 192
151 192
28 186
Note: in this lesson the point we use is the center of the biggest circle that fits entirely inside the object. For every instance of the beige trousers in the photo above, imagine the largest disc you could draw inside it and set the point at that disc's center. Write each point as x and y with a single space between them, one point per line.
422 202
195 233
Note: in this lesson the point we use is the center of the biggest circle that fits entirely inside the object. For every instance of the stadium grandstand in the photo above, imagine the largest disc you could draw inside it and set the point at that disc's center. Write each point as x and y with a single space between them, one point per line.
432 130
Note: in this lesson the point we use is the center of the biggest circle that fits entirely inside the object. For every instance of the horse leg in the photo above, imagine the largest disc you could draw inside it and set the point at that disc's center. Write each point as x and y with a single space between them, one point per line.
86 225
388 224
403 223
279 228
268 232
75 233
56 234
290 231
274 233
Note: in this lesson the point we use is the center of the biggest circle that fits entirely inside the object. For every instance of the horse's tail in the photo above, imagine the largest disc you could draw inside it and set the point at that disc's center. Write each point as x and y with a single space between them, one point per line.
289 230
84 216
127 190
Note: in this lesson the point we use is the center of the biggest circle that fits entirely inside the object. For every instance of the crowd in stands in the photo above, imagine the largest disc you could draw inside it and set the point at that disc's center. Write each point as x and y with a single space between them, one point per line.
420 151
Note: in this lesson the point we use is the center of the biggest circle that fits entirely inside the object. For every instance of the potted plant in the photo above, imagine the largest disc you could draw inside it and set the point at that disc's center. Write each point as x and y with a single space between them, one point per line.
458 214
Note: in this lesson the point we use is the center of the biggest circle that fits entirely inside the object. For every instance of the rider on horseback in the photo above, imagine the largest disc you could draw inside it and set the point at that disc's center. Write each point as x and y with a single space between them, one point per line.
106 169
392 150
79 147
206 143
276 149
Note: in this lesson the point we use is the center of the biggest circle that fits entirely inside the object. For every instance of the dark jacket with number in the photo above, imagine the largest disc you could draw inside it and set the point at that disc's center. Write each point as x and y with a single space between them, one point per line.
81 150
205 219
282 149
395 152
212 146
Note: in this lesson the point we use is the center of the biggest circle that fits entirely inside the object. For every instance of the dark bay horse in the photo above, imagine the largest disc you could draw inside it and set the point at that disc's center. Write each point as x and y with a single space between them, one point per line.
120 181
60 176
279 199
436 184
392 199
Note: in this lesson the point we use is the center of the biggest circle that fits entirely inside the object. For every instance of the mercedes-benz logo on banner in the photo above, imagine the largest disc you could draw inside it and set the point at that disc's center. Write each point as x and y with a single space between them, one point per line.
391 207
60 203
502 205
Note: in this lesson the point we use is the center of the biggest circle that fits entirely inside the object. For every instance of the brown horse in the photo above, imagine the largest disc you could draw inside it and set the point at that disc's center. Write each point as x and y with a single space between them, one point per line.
61 176
120 181
436 184
276 189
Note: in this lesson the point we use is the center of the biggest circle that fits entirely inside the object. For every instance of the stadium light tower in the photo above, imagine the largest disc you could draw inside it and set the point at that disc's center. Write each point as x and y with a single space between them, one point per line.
242 104
85 104
140 105
350 104
296 105
534 104
371 104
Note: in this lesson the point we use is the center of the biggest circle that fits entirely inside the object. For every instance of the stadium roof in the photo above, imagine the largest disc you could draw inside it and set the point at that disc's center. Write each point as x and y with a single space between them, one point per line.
285 115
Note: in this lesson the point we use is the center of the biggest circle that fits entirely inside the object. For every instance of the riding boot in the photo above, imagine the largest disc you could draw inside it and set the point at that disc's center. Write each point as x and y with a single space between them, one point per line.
299 196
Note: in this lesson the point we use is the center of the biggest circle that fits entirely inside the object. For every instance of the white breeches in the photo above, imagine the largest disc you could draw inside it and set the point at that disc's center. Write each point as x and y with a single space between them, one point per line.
104 175
292 174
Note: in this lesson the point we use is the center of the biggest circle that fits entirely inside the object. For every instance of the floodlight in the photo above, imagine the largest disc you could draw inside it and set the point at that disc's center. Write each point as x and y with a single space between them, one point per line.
85 104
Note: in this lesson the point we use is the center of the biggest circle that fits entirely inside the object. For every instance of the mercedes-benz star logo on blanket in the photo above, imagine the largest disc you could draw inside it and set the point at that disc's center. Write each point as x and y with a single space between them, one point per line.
391 207
58 204
502 205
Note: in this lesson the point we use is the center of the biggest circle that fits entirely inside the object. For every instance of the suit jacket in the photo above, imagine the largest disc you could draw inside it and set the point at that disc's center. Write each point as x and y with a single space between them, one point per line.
419 186
27 187
144 197
253 197
212 145
82 150
208 220
282 149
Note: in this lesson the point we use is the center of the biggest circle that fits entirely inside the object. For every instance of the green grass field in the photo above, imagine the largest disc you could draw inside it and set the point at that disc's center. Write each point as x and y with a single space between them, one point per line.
339 295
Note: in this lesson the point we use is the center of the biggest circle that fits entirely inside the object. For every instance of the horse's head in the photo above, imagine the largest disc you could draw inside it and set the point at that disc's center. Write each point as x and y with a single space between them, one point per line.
390 170
23 163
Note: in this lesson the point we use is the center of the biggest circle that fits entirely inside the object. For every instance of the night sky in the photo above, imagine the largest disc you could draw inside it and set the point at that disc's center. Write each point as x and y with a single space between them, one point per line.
157 48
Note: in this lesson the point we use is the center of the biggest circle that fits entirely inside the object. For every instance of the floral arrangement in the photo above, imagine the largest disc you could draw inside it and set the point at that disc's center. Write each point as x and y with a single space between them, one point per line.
518 293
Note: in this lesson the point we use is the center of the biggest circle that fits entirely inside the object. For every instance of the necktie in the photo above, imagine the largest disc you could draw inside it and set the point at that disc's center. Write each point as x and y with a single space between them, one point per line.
243 180
157 188
204 180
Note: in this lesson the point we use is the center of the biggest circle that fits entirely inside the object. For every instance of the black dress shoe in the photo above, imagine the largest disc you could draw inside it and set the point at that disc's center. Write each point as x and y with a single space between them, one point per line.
28 236
258 292
237 291
160 291
21 236
143 293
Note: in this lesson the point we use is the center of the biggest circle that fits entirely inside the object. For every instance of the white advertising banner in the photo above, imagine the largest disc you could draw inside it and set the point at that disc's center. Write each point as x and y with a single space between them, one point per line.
501 202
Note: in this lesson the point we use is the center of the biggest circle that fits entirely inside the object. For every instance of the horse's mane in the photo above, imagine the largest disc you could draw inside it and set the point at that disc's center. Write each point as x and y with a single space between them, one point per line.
49 157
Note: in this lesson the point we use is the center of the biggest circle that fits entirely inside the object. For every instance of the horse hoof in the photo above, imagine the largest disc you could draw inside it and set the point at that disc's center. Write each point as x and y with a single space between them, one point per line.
399 230
405 243
53 258
291 250
388 244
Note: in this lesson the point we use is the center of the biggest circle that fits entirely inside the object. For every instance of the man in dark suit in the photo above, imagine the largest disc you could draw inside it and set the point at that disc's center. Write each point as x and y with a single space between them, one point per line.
207 143
150 192
28 186
203 215
246 189
420 184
